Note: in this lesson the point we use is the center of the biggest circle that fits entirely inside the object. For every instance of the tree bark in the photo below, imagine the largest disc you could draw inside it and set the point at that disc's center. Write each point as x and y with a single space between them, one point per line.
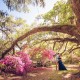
76 9
67 29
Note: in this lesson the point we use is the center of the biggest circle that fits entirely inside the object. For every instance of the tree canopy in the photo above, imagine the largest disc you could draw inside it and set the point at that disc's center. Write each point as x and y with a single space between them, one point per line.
22 5
66 28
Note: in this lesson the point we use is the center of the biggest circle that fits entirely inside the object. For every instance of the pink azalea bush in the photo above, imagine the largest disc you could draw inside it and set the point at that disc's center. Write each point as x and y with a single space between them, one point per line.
45 55
21 63
48 54
16 64
25 59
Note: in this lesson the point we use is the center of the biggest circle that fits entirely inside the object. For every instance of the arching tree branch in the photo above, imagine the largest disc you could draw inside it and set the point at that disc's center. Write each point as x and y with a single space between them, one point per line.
74 49
63 40
67 29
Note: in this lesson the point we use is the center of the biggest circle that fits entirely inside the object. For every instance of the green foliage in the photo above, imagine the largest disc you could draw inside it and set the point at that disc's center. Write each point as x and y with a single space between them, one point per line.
11 30
2 66
77 52
69 59
60 13
22 5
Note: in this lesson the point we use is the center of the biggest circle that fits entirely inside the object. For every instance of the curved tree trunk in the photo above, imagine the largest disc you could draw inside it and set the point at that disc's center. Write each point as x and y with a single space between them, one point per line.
67 29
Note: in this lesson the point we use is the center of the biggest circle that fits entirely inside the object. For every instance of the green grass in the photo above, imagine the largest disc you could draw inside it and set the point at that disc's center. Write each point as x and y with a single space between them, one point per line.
44 74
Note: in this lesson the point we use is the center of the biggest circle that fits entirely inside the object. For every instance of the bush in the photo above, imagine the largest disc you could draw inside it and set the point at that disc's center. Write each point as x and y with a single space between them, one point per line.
16 64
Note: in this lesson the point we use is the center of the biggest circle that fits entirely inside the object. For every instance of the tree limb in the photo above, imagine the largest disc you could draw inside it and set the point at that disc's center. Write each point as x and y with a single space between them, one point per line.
63 40
67 29
65 47
74 49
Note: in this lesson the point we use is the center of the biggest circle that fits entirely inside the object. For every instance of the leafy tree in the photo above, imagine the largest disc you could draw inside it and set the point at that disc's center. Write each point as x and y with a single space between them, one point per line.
10 29
73 31
60 14
22 5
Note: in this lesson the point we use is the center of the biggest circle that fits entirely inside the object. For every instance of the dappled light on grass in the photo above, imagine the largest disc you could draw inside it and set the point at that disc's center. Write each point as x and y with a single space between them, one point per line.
43 73
31 74
21 63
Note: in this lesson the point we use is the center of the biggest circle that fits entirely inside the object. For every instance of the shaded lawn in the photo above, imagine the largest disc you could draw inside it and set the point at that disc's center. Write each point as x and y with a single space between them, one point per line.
45 74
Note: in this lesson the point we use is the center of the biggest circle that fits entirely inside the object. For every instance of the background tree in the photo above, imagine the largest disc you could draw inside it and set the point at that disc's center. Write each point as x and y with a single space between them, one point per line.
22 5
60 14
10 29
72 30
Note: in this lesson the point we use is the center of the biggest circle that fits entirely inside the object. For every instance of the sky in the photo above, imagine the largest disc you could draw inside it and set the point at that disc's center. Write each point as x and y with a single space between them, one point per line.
34 11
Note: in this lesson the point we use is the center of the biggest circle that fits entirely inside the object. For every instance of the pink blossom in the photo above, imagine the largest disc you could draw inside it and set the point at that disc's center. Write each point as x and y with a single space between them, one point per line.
48 54
17 64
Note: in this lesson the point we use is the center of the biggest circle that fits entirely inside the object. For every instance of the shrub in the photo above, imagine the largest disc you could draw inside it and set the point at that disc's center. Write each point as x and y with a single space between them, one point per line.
16 64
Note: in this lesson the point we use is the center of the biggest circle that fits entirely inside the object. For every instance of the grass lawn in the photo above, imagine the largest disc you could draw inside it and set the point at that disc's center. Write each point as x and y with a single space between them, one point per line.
46 74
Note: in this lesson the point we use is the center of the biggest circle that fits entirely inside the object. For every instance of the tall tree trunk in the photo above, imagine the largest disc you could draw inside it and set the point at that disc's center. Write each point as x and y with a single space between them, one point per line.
76 9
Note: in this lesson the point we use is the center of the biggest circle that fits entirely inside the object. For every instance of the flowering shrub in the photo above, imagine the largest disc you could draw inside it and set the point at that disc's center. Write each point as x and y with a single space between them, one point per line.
48 54
41 55
45 53
21 62
25 59
16 64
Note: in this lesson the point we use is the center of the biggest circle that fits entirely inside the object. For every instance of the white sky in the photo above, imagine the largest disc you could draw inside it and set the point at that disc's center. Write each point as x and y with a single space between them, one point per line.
34 11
